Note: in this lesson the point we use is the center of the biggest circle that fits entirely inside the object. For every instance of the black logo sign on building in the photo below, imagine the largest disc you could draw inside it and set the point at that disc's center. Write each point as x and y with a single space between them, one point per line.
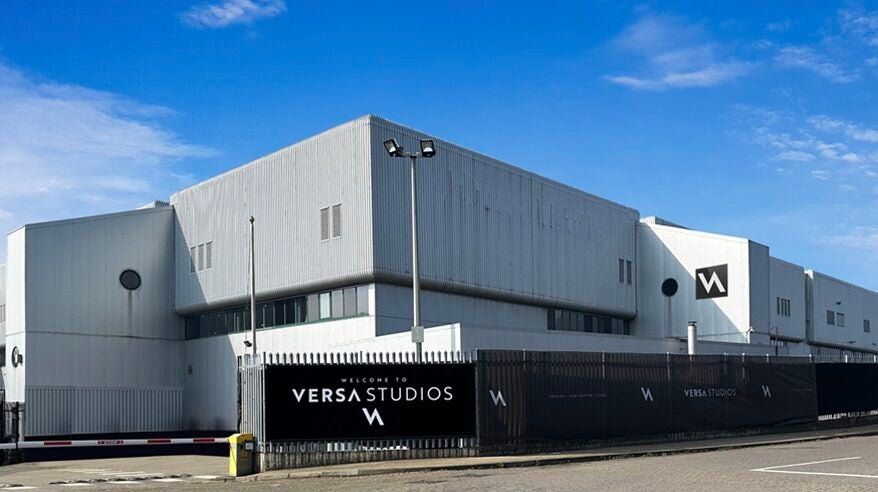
712 282
358 401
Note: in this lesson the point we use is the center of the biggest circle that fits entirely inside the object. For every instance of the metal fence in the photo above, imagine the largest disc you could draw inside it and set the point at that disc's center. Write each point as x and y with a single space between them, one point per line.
530 400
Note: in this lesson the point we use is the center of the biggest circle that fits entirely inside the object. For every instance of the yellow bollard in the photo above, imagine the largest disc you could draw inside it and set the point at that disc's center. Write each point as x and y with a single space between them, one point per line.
241 455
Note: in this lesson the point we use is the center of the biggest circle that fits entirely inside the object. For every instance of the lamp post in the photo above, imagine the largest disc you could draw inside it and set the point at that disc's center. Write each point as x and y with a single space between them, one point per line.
252 290
428 149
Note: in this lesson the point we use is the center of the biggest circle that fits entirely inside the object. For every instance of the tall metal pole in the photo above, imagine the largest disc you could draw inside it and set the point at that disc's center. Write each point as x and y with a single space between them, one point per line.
252 290
417 329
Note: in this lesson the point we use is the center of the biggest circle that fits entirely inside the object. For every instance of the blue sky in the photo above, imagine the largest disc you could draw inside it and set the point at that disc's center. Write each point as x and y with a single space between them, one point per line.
755 119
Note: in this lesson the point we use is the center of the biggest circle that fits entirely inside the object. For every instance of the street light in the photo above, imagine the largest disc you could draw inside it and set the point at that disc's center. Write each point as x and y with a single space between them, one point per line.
428 149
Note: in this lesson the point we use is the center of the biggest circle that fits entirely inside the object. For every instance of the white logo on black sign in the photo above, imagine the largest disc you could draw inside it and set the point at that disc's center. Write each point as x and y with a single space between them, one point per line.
647 394
766 391
712 282
498 398
372 417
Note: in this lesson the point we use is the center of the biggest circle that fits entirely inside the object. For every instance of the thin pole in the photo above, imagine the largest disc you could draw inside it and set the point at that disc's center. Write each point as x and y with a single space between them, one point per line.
416 279
252 289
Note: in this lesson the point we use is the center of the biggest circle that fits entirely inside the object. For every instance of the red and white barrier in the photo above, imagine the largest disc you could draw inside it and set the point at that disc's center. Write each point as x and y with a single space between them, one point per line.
113 442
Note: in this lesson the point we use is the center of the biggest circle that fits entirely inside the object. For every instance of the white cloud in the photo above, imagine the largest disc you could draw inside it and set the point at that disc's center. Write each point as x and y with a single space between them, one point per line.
807 58
780 27
67 150
862 25
861 237
229 12
673 54
821 174
834 125
794 155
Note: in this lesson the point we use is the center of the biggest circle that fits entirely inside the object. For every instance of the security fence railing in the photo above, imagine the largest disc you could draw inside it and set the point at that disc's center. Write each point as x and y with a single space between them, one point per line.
321 409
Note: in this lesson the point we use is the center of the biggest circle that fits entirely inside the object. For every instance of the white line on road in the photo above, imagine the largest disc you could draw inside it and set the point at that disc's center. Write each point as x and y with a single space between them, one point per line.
205 477
776 469
124 482
168 480
806 464
76 484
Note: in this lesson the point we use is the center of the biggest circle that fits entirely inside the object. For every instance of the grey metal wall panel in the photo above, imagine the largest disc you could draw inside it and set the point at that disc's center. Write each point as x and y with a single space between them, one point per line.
856 303
15 312
64 411
787 282
491 229
284 191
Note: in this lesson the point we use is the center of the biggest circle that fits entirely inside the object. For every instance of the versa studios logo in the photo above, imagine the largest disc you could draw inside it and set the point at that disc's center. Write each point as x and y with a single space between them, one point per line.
498 398
712 282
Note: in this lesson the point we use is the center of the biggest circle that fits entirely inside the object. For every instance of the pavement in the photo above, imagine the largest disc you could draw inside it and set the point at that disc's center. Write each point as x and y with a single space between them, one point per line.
846 459
600 454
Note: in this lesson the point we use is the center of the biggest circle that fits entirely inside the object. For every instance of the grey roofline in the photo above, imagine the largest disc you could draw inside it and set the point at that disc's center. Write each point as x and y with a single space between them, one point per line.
497 162
91 218
814 273
383 122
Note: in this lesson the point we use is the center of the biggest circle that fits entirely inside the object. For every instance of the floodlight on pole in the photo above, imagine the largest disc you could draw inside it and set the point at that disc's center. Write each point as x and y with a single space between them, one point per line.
428 149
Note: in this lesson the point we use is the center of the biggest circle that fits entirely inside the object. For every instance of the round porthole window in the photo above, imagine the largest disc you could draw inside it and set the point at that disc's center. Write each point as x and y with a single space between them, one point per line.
130 279
669 287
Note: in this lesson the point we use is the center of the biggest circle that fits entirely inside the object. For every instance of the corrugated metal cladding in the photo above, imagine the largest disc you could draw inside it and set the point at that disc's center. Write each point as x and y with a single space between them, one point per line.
98 357
285 192
491 229
67 411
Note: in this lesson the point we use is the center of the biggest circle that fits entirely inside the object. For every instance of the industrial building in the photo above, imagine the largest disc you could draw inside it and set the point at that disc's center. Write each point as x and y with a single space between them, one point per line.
136 321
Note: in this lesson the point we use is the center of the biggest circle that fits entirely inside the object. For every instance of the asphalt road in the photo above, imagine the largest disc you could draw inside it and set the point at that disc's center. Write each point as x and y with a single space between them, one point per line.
839 464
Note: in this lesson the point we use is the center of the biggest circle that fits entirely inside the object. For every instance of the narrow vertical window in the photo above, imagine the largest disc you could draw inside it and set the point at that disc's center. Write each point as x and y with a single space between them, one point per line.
208 255
325 306
324 224
628 271
830 318
336 221
867 326
192 259
200 257
621 270
839 320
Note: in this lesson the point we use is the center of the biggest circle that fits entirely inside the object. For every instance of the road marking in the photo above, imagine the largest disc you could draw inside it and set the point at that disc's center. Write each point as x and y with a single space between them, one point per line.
124 482
205 477
19 487
76 484
777 469
167 480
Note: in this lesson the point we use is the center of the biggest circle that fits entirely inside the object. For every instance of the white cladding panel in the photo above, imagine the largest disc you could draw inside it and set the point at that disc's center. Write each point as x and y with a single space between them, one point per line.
787 282
15 309
285 192
494 230
2 303
855 303
672 253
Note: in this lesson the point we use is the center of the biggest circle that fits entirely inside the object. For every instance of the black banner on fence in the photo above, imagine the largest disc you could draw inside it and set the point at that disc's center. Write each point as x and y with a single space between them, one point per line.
846 387
555 395
360 401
